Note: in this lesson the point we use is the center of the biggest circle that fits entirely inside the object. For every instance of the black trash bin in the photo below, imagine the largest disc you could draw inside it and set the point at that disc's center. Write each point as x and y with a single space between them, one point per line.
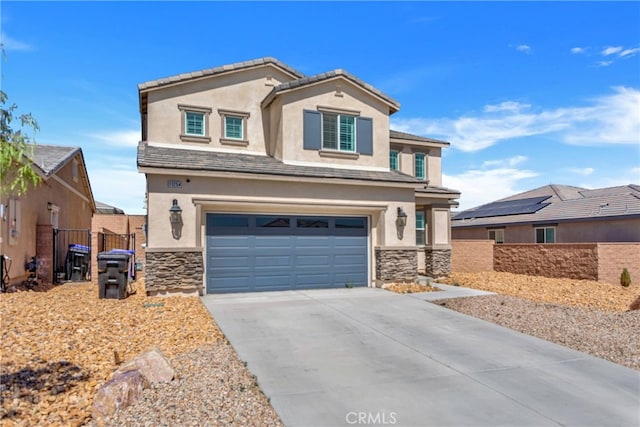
113 275
77 262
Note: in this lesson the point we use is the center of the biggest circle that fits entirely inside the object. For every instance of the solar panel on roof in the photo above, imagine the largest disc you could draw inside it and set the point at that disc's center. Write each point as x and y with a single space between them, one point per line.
509 207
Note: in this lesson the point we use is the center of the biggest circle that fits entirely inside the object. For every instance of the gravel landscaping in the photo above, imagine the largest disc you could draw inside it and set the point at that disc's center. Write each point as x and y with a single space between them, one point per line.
59 344
587 316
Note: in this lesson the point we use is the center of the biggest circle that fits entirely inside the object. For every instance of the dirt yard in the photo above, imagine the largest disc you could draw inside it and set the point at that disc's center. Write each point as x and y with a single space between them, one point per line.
570 292
58 346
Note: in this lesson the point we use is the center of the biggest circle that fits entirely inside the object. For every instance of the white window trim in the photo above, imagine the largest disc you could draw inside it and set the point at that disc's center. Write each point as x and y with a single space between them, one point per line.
338 115
397 156
424 166
54 216
423 229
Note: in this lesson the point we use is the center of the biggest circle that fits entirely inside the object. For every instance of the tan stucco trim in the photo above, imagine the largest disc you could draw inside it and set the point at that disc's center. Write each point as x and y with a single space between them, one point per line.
243 201
338 154
177 249
335 110
397 248
234 142
273 94
265 177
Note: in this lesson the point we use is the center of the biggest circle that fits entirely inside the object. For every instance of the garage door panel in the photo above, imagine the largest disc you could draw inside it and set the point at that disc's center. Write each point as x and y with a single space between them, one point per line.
261 252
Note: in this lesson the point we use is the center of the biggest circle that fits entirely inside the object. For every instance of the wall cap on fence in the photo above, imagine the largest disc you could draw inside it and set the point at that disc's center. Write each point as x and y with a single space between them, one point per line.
175 250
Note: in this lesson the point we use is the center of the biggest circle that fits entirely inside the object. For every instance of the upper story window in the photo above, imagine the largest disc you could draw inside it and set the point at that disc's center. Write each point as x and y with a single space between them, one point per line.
545 235
394 161
497 235
74 170
234 127
195 123
338 132
420 169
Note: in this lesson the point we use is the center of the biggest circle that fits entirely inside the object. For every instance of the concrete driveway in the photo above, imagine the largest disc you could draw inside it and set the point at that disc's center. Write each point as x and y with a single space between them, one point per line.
367 356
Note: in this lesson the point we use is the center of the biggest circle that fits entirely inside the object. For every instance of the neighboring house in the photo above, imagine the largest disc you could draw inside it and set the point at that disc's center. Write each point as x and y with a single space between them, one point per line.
555 214
261 178
62 200
112 229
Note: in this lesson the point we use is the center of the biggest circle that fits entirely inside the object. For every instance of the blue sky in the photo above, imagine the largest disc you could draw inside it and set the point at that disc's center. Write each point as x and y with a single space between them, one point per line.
528 93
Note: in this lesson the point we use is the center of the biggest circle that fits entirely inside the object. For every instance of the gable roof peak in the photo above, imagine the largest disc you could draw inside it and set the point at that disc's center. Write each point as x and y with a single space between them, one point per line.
207 72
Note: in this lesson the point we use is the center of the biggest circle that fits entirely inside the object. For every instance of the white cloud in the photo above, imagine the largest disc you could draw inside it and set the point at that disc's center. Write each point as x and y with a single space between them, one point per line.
513 161
603 63
523 48
10 44
506 106
629 52
480 186
611 50
582 171
609 119
118 138
578 50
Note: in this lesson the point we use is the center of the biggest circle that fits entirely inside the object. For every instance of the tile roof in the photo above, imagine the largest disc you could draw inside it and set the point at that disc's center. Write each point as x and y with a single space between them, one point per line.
174 158
304 81
566 203
403 135
219 70
103 208
51 158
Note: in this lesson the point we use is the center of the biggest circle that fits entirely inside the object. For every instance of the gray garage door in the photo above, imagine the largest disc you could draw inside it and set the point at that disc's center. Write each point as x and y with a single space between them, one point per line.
247 253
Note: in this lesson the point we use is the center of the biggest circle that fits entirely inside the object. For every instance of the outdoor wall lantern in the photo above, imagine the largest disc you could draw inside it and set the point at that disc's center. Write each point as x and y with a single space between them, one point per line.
175 217
401 222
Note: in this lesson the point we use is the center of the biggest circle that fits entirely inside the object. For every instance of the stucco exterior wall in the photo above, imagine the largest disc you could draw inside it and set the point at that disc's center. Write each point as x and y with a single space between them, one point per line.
614 257
60 190
240 91
471 256
291 127
610 230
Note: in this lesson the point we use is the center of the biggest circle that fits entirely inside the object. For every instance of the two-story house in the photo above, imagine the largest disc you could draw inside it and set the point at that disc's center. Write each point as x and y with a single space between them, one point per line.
260 178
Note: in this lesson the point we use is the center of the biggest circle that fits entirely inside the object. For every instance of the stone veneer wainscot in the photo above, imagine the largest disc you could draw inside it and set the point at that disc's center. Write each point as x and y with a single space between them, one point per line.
174 271
437 262
396 264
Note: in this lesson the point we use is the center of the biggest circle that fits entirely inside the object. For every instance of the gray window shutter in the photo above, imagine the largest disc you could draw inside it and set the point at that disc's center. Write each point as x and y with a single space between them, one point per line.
312 130
364 135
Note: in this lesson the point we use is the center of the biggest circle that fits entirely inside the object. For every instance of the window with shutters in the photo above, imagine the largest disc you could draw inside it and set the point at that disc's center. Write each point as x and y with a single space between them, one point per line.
338 132
333 131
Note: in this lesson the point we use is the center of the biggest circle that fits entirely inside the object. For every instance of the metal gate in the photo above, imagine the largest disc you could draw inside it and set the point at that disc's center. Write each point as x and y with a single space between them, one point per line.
110 241
71 255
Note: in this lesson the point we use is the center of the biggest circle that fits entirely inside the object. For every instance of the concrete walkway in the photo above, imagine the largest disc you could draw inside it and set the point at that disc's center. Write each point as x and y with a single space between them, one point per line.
367 356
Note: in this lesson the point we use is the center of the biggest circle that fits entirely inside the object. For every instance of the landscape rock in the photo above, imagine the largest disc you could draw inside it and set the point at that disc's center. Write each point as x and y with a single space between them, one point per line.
152 364
121 391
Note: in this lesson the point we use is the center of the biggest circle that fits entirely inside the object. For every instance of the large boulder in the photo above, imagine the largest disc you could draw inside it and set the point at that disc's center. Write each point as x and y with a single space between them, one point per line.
152 364
122 390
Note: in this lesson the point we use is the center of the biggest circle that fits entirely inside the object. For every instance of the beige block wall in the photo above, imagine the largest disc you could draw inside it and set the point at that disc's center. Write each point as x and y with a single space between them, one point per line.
471 256
614 257
578 261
